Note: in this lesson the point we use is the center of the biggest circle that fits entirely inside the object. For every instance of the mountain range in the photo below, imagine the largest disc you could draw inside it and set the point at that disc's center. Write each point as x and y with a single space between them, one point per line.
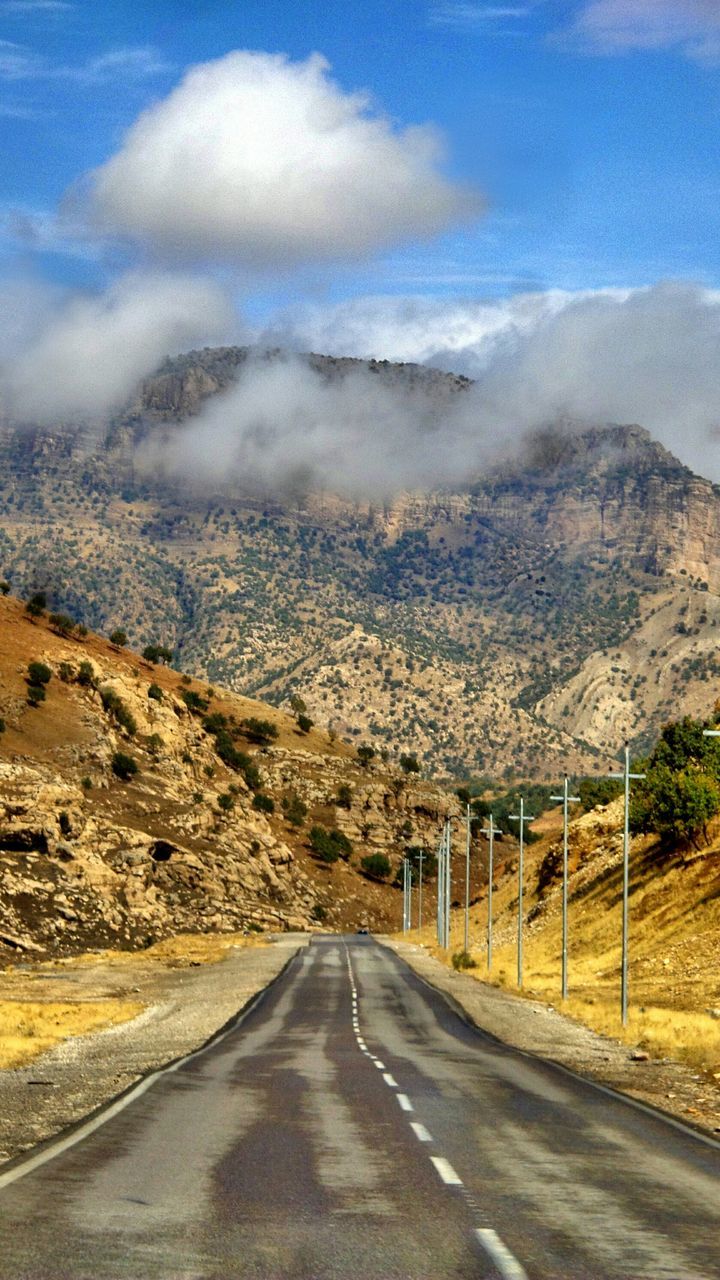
525 623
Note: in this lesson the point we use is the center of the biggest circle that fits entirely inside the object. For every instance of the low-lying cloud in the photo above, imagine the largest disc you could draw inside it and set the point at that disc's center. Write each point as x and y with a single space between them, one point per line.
266 162
648 357
81 356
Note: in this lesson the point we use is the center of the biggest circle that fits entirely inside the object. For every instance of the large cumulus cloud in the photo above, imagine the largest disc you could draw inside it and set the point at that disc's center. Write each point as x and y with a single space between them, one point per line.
263 161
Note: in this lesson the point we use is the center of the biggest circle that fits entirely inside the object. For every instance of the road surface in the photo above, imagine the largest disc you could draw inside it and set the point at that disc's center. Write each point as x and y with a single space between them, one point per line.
353 1127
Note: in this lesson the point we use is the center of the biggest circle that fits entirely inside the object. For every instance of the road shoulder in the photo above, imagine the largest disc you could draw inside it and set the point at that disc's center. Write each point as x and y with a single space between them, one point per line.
183 1008
538 1028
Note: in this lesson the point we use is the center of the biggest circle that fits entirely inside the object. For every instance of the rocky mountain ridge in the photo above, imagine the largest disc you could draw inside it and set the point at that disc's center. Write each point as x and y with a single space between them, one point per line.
563 601
88 858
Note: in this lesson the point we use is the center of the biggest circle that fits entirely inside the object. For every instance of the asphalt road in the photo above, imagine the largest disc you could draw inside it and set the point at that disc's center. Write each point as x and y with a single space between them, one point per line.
353 1127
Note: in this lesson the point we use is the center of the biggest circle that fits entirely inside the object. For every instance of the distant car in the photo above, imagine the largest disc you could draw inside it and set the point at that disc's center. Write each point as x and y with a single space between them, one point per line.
363 930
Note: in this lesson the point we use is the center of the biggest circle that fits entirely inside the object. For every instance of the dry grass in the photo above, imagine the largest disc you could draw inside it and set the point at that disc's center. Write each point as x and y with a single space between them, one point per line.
674 976
175 953
29 1028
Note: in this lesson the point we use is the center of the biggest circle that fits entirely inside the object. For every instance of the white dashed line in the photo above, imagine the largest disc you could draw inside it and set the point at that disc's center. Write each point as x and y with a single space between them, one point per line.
390 1080
380 1065
445 1169
420 1131
505 1261
361 1044
404 1102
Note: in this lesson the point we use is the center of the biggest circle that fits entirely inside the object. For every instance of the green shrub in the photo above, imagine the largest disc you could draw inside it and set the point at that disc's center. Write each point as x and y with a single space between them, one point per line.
304 723
329 845
36 605
365 755
193 701
344 796
260 731
4 588
295 810
118 638
86 783
155 692
2 725
62 623
36 694
319 912
86 675
409 764
66 672
225 802
263 803
123 766
39 673
463 960
376 866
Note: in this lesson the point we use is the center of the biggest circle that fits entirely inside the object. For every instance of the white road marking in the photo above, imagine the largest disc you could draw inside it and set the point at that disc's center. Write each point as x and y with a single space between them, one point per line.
505 1261
404 1102
445 1170
361 1044
380 1065
390 1080
420 1131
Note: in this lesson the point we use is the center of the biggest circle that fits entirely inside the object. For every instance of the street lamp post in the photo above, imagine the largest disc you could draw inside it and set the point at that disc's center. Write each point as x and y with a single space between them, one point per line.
566 800
490 832
466 943
627 778
522 817
421 855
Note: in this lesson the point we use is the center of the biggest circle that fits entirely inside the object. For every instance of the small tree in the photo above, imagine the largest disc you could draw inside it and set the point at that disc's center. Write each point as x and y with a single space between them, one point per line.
123 766
297 703
344 796
376 866
365 755
119 638
4 588
260 731
295 810
304 723
38 673
226 802
155 692
264 804
62 623
37 604
409 764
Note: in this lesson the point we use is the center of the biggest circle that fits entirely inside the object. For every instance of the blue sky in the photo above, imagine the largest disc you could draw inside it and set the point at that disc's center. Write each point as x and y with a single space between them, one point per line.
597 156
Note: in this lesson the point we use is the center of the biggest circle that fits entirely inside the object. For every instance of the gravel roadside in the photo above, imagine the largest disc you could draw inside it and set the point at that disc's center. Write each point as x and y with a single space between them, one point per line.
184 1008
538 1028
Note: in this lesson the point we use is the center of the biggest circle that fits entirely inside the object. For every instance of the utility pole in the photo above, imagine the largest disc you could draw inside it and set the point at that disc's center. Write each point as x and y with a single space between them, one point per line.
421 855
566 800
522 817
404 917
627 778
490 832
448 878
466 943
441 888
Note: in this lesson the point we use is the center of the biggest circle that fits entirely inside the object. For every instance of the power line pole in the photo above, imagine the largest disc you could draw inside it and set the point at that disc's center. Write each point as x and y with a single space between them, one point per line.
627 778
466 943
522 817
566 800
448 878
404 917
440 887
490 832
421 855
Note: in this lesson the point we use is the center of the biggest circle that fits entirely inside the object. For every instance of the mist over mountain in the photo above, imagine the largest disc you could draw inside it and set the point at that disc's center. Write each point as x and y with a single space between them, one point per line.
531 616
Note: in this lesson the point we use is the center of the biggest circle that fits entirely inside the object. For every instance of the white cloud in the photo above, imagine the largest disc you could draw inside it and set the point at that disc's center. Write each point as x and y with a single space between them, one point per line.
79 356
24 7
18 62
474 15
647 356
620 26
264 161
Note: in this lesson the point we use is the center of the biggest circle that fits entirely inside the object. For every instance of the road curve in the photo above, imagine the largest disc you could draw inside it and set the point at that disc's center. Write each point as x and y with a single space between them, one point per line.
353 1126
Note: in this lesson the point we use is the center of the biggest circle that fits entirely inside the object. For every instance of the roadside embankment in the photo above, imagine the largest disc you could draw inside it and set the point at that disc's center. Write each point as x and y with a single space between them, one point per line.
536 1027
172 998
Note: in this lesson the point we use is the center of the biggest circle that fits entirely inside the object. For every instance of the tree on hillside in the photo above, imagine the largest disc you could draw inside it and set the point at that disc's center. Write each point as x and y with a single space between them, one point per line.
681 792
118 638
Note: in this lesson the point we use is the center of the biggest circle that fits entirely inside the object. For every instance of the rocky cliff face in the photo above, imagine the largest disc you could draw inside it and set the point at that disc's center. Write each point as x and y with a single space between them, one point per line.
88 859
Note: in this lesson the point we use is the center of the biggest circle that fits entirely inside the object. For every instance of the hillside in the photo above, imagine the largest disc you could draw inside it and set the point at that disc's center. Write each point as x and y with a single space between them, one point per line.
674 971
212 832
560 603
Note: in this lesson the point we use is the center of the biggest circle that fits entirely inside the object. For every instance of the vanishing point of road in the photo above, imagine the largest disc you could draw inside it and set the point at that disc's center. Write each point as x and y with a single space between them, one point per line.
351 1126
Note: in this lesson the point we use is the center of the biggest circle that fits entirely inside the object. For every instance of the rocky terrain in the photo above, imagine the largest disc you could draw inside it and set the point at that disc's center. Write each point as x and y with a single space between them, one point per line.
562 602
206 836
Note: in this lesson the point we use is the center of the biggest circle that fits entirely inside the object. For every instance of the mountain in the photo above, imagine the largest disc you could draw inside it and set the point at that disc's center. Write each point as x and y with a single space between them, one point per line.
563 601
214 830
